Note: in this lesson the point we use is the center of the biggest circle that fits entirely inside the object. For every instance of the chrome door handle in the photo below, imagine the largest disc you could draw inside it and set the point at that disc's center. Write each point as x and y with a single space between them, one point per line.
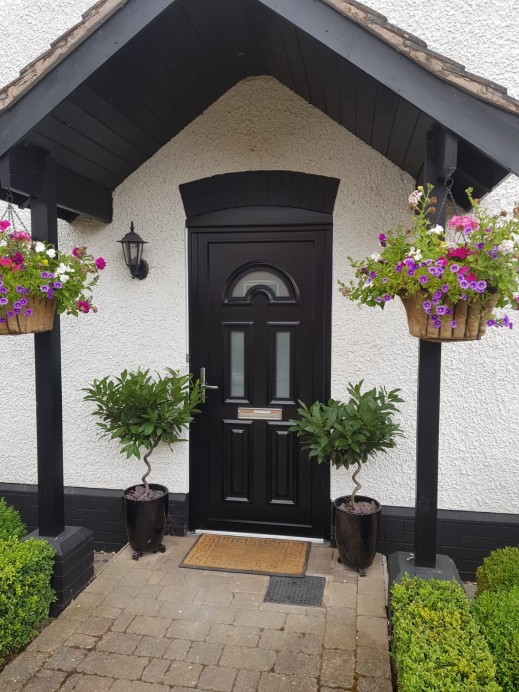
204 385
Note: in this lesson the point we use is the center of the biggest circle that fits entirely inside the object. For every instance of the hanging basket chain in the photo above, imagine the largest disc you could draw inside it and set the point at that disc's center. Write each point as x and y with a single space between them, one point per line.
449 182
10 214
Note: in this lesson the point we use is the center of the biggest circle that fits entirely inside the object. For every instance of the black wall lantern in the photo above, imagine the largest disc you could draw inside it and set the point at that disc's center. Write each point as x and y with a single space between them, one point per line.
132 248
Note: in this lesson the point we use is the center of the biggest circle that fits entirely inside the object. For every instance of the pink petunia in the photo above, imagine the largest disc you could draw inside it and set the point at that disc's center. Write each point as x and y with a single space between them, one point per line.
83 306
461 222
20 235
4 223
100 263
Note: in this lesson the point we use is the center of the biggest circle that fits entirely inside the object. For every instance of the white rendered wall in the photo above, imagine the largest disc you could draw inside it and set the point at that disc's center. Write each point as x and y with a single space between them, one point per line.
262 125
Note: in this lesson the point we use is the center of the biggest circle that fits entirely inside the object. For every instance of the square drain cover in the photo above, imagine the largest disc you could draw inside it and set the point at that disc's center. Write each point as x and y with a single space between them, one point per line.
303 591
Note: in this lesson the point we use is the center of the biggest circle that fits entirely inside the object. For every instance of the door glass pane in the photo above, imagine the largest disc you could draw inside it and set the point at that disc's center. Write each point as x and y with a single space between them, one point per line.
261 278
282 364
237 363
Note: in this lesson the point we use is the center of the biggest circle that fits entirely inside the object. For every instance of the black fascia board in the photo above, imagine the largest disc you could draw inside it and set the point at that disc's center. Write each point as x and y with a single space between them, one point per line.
491 129
20 172
41 98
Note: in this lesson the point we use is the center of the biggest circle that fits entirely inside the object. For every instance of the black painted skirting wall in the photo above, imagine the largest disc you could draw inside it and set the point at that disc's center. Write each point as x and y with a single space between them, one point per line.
95 509
466 537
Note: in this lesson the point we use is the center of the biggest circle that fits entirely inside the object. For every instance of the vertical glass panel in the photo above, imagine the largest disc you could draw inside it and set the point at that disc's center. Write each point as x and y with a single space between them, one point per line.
237 363
282 364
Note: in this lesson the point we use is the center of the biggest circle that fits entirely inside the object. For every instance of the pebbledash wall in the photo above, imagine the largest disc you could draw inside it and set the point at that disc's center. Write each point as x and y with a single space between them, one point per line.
260 124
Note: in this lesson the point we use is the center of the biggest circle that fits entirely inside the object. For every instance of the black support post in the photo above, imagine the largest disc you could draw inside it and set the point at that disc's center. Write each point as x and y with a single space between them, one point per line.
47 352
440 164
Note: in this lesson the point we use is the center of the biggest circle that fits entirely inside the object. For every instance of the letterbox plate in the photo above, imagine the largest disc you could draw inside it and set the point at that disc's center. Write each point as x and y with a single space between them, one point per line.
260 413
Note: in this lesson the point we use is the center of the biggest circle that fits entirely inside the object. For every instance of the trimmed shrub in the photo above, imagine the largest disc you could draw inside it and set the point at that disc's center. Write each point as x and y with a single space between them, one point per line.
11 524
25 591
436 644
497 614
500 570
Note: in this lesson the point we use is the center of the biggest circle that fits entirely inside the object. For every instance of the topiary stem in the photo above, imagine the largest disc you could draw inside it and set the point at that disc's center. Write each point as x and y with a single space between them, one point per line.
358 486
144 482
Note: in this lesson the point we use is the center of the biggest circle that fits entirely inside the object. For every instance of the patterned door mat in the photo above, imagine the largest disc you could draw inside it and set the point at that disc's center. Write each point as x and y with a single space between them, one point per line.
307 591
254 555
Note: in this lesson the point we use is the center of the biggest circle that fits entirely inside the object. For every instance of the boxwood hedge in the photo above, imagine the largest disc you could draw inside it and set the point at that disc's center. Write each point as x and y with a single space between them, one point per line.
25 591
500 570
11 524
497 614
436 644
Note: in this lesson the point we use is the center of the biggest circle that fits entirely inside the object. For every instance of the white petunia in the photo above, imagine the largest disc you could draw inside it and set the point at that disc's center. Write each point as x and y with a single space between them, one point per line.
506 247
63 278
437 230
51 252
376 256
39 247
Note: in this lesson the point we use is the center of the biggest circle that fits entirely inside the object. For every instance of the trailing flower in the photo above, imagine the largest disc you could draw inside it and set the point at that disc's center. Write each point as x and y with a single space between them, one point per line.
475 259
37 270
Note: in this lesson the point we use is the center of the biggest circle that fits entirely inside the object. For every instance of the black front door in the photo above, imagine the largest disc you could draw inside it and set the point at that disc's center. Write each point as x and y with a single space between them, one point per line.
260 327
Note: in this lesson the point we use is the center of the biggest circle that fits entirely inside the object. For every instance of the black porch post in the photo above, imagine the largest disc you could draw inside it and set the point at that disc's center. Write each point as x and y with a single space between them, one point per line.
440 164
47 352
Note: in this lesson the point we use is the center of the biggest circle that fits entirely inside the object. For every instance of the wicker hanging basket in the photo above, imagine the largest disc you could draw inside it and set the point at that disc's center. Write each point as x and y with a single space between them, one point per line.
471 319
41 320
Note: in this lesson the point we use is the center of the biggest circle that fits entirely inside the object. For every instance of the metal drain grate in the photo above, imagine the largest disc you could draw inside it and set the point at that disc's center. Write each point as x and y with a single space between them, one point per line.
303 591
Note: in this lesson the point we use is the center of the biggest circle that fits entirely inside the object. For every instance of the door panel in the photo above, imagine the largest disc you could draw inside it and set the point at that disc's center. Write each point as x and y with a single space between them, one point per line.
260 325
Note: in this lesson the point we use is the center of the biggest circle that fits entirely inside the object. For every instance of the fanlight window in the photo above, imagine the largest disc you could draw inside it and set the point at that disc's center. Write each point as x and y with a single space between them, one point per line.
256 278
260 278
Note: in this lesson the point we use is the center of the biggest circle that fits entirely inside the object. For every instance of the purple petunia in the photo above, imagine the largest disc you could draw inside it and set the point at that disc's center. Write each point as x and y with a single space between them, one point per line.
410 272
473 285
387 297
44 275
441 310
445 288
464 284
3 301
480 286
57 284
427 305
23 301
3 289
437 294
28 312
453 324
44 288
20 289
454 268
480 246
10 314
491 323
463 296
378 299
423 279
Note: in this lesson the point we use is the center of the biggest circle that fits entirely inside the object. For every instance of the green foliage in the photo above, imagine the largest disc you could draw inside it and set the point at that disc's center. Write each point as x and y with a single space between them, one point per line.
497 614
349 433
11 524
140 410
500 570
436 644
25 591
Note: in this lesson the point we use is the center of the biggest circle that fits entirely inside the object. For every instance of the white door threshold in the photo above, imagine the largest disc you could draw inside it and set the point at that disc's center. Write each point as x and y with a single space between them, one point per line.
260 535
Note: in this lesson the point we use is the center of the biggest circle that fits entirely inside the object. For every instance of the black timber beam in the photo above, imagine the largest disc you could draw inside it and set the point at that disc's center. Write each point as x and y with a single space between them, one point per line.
76 67
491 129
20 172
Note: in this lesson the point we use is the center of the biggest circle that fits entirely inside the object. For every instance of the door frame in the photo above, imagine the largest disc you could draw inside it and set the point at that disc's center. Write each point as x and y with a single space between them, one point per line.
252 194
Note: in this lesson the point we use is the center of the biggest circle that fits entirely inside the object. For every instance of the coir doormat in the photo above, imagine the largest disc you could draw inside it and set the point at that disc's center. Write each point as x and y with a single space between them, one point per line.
254 555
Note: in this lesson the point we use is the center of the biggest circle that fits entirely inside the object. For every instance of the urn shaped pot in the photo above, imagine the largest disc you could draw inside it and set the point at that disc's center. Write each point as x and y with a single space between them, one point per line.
146 520
356 534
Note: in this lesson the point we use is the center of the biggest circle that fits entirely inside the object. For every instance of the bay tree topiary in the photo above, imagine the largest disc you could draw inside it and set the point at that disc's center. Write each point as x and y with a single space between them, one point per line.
349 433
140 411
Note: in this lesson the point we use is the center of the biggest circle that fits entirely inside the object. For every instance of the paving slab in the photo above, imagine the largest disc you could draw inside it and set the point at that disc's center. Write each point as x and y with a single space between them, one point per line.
152 626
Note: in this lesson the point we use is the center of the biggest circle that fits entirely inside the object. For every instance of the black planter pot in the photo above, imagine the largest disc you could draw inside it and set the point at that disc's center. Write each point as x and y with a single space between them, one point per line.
356 534
146 521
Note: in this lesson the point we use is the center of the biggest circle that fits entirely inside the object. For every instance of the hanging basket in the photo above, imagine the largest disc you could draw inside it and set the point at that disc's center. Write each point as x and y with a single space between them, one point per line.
41 320
471 319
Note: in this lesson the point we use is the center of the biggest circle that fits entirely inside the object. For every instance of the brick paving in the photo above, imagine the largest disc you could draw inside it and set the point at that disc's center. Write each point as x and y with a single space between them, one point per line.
150 626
